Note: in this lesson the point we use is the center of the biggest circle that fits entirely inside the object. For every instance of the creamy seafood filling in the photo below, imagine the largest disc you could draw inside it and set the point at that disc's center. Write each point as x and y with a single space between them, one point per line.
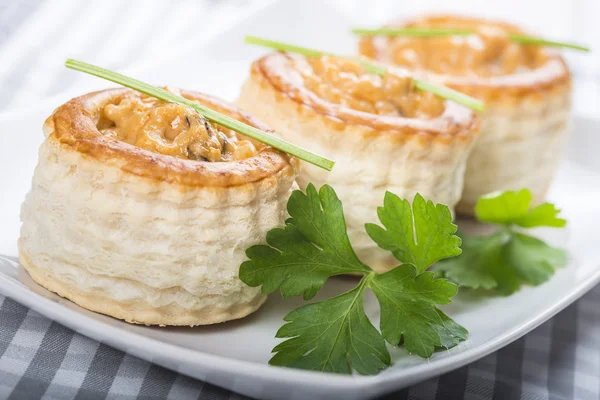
347 83
489 51
171 129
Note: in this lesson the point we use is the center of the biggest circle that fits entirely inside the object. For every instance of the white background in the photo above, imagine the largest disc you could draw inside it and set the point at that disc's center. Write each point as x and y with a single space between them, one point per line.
131 36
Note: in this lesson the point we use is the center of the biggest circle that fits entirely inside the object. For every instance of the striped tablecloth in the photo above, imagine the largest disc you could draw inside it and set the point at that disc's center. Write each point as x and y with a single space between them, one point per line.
42 359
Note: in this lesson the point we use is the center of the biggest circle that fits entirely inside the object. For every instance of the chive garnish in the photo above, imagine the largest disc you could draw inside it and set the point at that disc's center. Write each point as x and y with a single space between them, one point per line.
209 114
433 32
439 90
550 43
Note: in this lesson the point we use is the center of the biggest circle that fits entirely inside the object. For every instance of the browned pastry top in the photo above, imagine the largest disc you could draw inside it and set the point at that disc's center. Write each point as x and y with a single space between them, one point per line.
165 141
345 91
486 64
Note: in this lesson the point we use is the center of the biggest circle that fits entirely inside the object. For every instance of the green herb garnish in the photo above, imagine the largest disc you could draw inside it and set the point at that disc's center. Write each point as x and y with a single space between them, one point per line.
441 91
508 258
530 40
209 114
436 32
335 335
419 237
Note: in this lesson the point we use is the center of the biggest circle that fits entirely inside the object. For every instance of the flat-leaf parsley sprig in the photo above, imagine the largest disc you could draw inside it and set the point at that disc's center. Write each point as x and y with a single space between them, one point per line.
422 242
508 258
335 335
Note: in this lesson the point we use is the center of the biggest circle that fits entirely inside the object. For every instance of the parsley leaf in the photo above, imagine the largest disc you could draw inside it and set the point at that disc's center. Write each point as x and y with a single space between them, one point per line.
419 235
331 336
312 247
451 332
532 259
335 335
507 259
514 208
482 265
408 310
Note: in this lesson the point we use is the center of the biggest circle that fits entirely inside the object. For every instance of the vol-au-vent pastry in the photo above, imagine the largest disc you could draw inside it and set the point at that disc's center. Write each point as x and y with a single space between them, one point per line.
142 209
382 132
526 90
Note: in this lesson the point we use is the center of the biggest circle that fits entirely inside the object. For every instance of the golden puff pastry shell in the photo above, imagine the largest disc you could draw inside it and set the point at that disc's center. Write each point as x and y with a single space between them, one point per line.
145 237
527 116
373 153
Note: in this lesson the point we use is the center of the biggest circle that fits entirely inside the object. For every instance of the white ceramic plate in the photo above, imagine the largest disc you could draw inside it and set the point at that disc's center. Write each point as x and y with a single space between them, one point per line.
234 355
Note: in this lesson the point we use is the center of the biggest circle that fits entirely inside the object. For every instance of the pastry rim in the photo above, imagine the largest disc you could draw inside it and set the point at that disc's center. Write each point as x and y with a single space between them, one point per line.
552 75
455 122
72 126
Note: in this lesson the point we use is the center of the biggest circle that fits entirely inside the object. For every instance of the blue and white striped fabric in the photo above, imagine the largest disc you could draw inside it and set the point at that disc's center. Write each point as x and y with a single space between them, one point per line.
42 359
